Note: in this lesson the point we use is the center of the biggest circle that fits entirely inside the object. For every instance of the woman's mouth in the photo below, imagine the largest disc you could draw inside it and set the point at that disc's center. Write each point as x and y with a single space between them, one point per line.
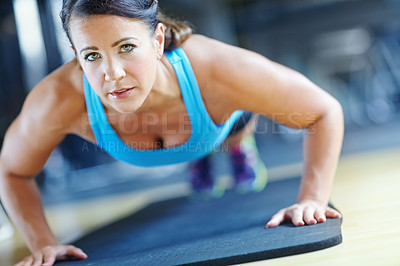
122 93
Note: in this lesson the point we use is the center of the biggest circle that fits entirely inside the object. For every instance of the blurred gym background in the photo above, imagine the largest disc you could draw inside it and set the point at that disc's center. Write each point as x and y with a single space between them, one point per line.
351 48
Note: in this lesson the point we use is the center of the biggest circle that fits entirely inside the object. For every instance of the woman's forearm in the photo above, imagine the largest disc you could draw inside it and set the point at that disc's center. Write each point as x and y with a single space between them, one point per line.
21 199
322 146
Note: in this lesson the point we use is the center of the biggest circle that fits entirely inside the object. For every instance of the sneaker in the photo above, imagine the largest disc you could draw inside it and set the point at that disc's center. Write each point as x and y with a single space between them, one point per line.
202 179
249 171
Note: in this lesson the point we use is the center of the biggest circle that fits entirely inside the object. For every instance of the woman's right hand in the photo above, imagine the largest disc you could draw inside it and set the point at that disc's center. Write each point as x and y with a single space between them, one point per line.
48 255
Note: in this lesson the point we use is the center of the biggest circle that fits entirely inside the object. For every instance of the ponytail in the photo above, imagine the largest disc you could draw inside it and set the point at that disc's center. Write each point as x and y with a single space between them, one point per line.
176 32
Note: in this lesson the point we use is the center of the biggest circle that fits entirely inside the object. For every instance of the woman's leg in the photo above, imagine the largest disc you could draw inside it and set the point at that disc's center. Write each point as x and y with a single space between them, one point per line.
200 171
200 174
245 126
249 171
202 179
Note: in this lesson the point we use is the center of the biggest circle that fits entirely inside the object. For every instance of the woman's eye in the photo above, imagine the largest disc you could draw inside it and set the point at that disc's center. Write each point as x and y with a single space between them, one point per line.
126 48
92 56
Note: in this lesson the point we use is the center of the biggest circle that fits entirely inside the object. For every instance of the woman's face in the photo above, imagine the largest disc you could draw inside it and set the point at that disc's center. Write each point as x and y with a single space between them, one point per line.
119 57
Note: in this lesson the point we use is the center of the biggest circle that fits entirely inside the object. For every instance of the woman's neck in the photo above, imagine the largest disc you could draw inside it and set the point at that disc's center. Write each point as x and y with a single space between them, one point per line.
165 92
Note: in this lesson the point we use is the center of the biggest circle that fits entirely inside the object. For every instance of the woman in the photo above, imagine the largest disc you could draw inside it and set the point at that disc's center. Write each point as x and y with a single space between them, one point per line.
149 93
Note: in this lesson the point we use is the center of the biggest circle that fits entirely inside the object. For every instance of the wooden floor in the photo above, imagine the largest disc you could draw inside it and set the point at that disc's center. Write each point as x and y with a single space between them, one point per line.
366 190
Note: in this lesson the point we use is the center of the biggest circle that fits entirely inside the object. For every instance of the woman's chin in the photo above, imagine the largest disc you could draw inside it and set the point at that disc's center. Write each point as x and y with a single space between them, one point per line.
126 108
126 111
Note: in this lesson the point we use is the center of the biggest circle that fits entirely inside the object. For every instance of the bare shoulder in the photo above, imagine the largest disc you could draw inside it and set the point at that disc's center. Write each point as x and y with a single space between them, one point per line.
205 55
57 100
196 48
216 53
50 111
207 48
219 69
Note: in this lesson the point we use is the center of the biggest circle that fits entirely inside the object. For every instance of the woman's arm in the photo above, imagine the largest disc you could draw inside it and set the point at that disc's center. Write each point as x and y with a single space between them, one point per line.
39 128
21 198
245 80
322 146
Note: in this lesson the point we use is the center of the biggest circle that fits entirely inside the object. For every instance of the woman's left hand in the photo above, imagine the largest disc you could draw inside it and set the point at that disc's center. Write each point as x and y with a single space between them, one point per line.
305 212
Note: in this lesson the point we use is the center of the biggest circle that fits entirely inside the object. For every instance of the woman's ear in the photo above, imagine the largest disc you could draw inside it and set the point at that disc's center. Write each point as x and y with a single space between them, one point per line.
76 58
74 51
160 39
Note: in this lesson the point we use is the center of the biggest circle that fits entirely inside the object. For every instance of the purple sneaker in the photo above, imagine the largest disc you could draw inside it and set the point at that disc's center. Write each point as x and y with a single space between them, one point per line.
200 174
249 171
202 179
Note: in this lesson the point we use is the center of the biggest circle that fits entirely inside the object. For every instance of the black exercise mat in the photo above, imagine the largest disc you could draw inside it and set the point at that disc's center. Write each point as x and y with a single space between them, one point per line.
223 231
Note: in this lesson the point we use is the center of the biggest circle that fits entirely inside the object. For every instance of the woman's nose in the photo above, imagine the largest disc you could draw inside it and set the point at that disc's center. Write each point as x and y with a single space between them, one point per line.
114 72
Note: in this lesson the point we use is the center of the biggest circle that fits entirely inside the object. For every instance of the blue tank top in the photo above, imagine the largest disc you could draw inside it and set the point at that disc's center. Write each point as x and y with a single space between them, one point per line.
205 137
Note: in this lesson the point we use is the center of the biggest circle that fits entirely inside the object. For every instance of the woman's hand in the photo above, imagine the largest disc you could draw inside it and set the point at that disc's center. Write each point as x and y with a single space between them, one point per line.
47 255
305 212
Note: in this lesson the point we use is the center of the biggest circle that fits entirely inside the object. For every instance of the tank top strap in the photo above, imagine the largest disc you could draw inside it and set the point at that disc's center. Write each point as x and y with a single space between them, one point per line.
192 97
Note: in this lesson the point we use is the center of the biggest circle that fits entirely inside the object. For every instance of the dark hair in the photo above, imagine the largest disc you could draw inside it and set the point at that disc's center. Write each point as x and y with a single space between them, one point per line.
146 11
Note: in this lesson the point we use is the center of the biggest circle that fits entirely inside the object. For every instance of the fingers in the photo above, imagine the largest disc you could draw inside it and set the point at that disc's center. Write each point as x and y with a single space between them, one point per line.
75 252
309 214
49 260
303 213
277 219
26 261
320 215
332 213
297 216
70 251
48 255
37 259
